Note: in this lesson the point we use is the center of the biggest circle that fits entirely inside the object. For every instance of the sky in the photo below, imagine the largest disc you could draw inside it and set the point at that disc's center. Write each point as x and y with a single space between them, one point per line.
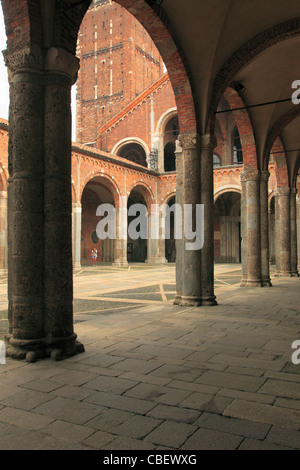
4 87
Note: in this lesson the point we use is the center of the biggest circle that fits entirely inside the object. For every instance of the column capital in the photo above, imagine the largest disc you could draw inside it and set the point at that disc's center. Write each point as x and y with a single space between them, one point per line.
60 61
282 192
189 141
29 57
250 175
208 141
294 191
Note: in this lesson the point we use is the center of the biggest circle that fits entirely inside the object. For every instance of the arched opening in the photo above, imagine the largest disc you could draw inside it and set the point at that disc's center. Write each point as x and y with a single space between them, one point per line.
134 153
170 244
237 151
95 193
137 241
272 231
170 135
227 228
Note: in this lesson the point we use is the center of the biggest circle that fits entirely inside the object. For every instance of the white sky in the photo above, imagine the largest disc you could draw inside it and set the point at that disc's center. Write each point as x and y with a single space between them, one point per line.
4 87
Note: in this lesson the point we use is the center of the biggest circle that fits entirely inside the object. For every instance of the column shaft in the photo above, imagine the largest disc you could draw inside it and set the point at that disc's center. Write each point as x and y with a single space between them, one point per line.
179 241
264 229
208 143
3 232
294 257
283 254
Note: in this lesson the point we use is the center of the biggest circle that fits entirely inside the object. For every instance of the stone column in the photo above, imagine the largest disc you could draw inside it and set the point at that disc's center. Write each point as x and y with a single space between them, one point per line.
179 241
26 204
208 143
76 219
191 175
298 230
264 229
120 252
294 260
283 232
251 228
3 232
61 69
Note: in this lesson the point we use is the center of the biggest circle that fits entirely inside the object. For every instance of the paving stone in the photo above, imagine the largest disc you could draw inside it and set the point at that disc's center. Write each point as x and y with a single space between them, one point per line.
206 439
27 399
171 434
146 378
165 395
67 431
248 396
235 381
108 418
137 365
98 439
75 393
73 377
206 402
254 444
101 360
136 427
121 402
174 413
282 389
24 419
283 436
176 372
42 385
68 410
116 385
288 403
126 443
263 413
233 426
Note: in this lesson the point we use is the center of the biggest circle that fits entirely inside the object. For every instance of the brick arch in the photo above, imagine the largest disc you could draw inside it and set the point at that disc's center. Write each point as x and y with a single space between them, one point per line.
244 125
296 174
146 192
111 185
276 130
281 169
164 119
130 140
244 55
179 75
227 189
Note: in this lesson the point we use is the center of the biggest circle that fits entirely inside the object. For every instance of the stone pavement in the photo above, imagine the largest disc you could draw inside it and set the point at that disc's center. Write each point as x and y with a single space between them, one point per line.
156 376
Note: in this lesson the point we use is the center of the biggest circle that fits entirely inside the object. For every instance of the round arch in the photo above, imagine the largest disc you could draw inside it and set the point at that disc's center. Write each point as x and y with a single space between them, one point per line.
130 140
144 190
107 180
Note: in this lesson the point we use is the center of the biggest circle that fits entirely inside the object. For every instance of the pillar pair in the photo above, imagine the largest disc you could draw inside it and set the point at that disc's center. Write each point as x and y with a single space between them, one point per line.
195 268
286 232
40 285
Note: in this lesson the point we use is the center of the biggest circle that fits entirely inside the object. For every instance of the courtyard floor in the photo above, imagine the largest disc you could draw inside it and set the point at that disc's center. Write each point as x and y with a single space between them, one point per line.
155 376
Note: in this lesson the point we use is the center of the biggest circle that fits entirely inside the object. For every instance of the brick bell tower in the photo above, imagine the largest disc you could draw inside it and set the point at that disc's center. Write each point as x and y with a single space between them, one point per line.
118 61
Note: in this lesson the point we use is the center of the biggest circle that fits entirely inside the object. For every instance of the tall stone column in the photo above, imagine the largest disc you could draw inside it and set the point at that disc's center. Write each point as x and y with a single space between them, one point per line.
283 232
191 194
294 256
179 241
264 229
26 204
120 252
61 68
244 232
76 219
251 228
298 231
3 232
208 143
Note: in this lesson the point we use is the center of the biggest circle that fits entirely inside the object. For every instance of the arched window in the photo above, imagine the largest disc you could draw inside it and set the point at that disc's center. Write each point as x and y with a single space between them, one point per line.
169 157
216 161
135 153
237 152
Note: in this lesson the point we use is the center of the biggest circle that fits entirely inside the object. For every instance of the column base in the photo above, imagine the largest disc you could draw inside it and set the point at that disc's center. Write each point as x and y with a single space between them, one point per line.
266 283
251 283
190 301
77 266
120 264
41 348
209 301
283 274
177 299
156 260
295 274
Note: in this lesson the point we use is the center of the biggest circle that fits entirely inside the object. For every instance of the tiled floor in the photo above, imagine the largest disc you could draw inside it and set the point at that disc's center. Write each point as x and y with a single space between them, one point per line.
158 376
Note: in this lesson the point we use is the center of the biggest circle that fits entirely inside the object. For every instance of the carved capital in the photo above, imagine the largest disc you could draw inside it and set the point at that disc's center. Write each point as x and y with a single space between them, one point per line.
250 175
282 192
189 141
28 57
208 141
